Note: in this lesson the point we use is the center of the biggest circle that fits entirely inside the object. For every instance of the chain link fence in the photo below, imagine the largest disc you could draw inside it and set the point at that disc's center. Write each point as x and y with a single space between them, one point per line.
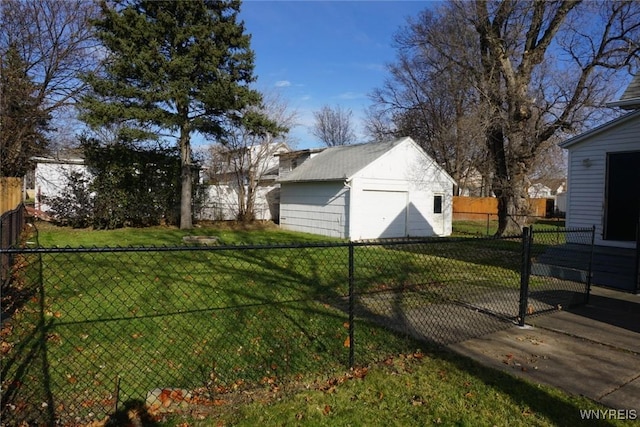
11 225
87 331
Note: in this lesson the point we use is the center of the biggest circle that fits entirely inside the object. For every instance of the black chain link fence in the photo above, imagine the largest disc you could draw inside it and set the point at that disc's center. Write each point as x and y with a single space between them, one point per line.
88 330
11 226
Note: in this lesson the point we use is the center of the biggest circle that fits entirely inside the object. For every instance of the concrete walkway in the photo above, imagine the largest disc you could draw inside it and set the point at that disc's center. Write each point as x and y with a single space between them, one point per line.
593 350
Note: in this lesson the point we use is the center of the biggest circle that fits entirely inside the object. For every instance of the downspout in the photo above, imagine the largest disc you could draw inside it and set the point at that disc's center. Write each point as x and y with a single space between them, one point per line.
349 210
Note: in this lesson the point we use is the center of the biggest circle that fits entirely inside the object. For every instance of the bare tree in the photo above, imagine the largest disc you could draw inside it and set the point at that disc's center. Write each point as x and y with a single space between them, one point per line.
425 98
526 98
245 158
56 42
333 126
537 70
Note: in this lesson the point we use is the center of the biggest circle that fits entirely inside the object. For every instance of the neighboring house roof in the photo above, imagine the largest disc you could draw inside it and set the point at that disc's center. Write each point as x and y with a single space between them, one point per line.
60 161
297 153
553 184
342 162
631 97
600 129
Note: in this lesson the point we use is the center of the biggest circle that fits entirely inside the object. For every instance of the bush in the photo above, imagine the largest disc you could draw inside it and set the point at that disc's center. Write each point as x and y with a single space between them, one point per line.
133 187
129 187
75 206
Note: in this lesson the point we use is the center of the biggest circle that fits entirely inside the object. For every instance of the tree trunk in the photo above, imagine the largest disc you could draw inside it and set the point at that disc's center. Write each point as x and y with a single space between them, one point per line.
186 221
513 206
512 209
507 191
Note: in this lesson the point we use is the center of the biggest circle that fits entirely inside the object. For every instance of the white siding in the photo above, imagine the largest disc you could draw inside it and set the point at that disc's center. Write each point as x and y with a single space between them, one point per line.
587 176
221 203
315 207
52 179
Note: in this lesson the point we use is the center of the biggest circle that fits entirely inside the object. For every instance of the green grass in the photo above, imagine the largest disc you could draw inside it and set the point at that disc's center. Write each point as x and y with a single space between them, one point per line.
217 321
228 234
484 228
415 389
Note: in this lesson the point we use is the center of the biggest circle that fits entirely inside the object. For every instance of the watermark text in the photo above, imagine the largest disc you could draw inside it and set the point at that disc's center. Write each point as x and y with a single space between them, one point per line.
608 414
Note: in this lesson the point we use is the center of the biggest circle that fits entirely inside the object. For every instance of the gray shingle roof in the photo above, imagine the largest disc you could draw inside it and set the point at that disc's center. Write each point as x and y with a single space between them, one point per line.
633 90
338 163
630 99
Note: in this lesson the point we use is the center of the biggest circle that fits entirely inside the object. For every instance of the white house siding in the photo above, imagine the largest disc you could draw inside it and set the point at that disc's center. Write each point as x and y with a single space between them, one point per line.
52 179
587 176
315 207
221 203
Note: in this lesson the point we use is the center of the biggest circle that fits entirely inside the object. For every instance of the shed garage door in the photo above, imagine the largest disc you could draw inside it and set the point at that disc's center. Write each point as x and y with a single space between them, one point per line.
385 214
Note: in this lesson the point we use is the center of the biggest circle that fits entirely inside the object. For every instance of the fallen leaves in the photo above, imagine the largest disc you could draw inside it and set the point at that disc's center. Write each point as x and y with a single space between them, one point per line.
5 347
356 373
162 400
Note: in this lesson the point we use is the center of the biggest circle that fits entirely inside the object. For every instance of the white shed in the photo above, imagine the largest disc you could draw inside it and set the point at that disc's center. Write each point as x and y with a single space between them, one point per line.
52 177
368 191
604 181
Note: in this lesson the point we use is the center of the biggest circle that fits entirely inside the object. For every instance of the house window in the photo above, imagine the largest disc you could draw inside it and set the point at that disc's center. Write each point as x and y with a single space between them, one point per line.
437 204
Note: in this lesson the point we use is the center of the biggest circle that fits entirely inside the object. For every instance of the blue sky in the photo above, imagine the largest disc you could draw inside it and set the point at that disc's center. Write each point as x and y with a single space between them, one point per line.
316 53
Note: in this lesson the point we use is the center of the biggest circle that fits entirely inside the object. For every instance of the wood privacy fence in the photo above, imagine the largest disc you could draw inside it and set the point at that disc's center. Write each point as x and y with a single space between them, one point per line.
478 208
10 194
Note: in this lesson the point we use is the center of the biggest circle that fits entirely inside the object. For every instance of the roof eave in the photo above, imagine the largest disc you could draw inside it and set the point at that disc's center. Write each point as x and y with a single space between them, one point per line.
599 129
296 181
627 104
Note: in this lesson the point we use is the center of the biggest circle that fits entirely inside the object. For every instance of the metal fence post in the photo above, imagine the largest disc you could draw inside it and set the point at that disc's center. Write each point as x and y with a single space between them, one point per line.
590 267
525 270
351 304
488 220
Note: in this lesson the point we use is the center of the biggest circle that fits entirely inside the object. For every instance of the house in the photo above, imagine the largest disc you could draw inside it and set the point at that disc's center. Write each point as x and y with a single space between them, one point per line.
604 192
234 174
368 191
604 176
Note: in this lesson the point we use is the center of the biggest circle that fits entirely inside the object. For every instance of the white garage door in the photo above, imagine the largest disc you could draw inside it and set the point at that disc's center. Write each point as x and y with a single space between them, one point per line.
385 214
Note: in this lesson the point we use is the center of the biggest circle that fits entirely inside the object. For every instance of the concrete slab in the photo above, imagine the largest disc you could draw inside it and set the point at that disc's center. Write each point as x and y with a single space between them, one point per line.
584 327
592 350
624 397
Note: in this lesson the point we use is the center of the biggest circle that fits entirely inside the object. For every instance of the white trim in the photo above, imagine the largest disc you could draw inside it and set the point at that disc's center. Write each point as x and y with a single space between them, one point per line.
597 130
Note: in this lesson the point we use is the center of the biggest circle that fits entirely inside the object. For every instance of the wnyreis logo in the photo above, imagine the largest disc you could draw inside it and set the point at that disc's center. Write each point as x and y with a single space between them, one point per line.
608 414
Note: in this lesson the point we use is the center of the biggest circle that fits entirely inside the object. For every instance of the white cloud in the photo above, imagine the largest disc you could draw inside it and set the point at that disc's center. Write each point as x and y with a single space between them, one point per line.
351 95
283 83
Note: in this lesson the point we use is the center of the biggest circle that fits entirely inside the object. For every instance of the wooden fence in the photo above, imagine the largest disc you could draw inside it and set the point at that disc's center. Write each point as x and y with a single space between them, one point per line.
10 194
12 217
479 208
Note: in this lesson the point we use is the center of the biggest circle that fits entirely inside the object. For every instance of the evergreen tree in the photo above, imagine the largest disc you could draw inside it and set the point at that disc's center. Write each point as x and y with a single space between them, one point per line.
22 121
178 66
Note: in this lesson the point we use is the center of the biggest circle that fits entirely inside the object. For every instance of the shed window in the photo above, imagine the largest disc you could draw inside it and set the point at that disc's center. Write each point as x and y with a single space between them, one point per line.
437 204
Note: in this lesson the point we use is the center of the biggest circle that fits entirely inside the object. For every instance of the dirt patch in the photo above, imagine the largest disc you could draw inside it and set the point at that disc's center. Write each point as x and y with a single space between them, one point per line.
237 225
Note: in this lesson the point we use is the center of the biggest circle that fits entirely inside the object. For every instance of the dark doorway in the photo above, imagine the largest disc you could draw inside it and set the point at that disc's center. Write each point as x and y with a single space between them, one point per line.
622 205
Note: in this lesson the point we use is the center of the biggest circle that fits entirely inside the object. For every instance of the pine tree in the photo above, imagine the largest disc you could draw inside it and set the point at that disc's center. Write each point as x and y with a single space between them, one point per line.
23 123
178 66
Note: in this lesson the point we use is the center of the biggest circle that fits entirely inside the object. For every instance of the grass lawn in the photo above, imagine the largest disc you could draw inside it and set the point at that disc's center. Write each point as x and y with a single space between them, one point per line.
488 228
434 387
223 323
